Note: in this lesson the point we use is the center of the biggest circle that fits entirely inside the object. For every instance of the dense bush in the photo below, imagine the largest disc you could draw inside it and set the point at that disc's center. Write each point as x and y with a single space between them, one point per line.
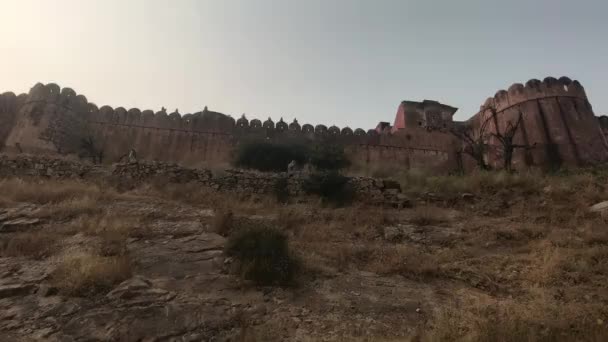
268 156
263 255
332 187
328 157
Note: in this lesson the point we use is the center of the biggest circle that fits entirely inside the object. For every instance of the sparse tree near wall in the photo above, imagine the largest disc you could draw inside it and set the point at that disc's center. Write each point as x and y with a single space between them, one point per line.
474 142
506 139
71 133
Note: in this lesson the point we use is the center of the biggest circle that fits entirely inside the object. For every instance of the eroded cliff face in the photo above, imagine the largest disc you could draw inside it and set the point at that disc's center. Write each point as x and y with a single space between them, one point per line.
558 124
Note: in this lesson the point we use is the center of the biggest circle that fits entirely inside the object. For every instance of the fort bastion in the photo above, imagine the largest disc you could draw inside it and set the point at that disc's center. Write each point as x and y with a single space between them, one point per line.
558 126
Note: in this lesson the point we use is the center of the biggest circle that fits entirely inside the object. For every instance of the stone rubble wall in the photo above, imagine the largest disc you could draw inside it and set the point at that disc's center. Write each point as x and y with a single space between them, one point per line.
369 190
42 167
376 191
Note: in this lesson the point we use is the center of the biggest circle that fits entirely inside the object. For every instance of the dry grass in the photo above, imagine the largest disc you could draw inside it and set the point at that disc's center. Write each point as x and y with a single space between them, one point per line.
35 245
49 191
107 223
83 273
70 208
407 261
426 216
539 320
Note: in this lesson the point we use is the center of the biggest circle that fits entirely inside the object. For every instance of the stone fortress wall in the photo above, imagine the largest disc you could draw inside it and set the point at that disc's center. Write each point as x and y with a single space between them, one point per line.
604 125
558 123
206 137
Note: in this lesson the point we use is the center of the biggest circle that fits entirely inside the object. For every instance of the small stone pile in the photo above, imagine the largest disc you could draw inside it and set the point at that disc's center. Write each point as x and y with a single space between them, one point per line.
380 192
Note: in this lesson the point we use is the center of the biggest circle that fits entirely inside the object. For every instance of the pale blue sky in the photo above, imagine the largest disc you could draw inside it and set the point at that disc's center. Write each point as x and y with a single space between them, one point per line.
343 62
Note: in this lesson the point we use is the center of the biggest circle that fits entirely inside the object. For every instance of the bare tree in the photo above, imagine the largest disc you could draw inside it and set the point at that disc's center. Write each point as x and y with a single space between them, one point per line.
506 139
71 133
474 142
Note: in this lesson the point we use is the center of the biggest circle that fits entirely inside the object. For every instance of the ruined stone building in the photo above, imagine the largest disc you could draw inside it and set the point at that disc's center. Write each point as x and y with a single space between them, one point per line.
558 124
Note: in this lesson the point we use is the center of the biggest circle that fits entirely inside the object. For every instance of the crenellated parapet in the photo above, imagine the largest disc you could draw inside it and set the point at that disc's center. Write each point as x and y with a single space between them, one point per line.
535 89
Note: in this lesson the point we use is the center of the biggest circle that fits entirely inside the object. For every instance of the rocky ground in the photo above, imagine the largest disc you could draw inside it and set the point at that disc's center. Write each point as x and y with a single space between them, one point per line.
440 271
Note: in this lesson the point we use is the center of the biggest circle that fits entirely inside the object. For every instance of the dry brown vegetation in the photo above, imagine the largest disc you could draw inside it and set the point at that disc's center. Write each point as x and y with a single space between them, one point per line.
520 259
28 244
83 273
80 208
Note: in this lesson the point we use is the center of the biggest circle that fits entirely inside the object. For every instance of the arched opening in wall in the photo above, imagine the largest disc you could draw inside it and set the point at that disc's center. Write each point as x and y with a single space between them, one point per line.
565 87
408 137
420 123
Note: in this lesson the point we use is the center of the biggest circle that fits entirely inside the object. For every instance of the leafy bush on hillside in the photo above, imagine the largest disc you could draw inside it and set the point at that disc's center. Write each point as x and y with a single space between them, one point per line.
275 157
328 157
263 255
267 156
332 187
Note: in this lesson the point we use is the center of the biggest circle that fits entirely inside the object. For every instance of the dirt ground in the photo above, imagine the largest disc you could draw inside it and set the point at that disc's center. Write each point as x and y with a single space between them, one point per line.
508 262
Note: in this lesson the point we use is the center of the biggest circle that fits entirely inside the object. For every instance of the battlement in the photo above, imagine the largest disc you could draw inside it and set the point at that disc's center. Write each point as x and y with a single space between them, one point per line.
201 122
557 118
534 90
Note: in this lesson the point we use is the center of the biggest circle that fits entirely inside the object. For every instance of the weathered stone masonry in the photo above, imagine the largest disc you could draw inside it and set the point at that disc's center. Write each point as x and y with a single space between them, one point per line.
558 121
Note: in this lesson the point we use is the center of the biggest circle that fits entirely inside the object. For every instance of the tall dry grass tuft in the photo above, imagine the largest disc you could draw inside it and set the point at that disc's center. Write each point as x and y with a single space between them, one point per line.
36 245
70 208
85 273
50 191
426 216
539 320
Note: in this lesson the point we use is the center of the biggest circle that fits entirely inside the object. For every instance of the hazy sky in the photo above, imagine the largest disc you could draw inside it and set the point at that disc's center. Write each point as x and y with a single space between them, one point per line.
343 62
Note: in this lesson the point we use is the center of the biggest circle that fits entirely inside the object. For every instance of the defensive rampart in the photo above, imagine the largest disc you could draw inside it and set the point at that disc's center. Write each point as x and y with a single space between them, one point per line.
209 137
558 124
558 128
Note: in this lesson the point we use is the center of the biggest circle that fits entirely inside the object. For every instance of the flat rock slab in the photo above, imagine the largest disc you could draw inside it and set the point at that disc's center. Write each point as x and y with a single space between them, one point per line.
599 207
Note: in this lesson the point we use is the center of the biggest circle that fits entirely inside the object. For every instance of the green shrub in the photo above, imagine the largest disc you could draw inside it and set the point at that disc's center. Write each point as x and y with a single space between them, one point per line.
263 255
275 156
267 156
332 187
328 157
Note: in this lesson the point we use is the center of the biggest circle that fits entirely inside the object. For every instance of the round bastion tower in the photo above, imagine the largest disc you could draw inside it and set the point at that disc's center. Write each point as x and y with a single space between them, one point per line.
557 128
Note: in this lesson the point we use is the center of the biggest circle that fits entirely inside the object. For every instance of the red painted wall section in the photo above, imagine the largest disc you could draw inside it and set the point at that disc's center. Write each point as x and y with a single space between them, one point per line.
399 118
